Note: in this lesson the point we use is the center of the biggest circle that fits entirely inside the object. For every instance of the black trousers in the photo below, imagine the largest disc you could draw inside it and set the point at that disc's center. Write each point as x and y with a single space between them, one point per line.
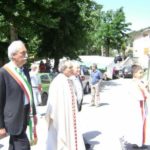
21 142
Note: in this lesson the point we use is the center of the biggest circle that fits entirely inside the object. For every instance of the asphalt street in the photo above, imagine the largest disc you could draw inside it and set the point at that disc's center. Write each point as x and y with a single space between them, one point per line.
102 127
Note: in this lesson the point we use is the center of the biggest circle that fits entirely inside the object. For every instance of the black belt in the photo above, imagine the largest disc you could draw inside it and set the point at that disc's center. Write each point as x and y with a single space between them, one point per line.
34 86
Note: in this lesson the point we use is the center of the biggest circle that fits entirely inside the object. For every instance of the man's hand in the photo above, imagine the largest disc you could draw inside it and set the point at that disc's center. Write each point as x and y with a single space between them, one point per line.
40 88
3 133
35 119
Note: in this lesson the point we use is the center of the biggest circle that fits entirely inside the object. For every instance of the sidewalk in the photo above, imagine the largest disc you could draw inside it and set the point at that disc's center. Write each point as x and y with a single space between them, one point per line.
99 125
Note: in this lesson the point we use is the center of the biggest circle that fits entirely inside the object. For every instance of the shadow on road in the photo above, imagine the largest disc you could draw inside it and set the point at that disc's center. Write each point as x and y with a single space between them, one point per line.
1 146
128 146
109 83
133 147
103 104
85 103
105 85
91 135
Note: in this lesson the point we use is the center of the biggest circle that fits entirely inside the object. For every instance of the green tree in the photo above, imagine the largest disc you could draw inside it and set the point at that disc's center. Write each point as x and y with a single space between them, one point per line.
113 31
49 29
25 20
54 29
70 36
92 17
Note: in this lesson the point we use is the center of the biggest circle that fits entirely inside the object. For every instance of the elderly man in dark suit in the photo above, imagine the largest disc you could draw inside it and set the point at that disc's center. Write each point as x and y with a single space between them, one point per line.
16 100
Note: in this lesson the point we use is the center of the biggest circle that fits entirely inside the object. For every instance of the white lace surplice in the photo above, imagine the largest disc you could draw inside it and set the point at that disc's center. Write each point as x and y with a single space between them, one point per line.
59 111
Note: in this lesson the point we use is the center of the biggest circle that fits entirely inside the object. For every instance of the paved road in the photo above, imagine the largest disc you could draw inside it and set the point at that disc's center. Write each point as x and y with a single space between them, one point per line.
102 126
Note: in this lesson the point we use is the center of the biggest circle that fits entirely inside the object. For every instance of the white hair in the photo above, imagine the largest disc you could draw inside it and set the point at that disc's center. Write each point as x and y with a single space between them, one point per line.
14 47
34 65
75 64
63 65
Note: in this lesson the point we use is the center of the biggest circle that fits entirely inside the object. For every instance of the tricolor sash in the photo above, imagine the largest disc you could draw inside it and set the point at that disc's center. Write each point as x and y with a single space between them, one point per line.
26 87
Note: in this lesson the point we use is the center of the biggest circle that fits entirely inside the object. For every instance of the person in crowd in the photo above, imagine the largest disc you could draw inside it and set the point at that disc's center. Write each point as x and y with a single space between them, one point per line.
137 130
77 84
42 66
62 113
36 84
78 90
47 66
16 101
96 77
118 58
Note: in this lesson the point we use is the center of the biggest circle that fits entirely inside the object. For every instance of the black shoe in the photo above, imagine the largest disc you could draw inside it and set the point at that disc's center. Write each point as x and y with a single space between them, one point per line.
87 146
143 147
40 104
134 146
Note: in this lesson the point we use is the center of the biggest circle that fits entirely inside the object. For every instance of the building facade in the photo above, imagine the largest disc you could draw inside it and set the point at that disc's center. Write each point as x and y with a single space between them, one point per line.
141 46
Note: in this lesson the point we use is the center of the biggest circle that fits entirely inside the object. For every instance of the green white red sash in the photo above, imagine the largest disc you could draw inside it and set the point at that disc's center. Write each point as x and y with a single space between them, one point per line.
26 87
21 81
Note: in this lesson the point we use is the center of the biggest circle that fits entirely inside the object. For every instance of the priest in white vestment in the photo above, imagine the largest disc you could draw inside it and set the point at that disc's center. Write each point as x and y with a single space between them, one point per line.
137 127
62 113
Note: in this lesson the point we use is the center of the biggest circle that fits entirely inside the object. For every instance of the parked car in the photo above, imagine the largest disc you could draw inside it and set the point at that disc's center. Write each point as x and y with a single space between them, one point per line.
112 71
115 70
115 73
45 82
118 58
85 78
126 72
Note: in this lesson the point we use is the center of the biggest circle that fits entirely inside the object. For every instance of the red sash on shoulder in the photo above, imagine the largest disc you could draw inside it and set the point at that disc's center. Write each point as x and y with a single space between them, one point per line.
20 80
26 87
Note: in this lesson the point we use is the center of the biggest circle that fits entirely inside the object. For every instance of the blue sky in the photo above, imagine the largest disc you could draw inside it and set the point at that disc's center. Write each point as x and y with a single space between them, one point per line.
136 11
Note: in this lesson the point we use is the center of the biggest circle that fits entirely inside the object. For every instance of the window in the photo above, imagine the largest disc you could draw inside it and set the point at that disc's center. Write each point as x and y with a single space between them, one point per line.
45 78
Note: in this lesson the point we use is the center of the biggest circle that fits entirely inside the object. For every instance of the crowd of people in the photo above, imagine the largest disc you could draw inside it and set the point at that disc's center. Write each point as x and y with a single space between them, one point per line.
45 67
21 94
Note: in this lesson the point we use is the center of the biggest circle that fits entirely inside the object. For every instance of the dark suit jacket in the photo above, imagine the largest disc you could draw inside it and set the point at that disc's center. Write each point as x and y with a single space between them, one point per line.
13 113
80 104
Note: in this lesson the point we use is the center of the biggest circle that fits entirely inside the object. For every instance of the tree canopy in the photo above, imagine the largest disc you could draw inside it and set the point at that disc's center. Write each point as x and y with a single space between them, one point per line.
54 29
